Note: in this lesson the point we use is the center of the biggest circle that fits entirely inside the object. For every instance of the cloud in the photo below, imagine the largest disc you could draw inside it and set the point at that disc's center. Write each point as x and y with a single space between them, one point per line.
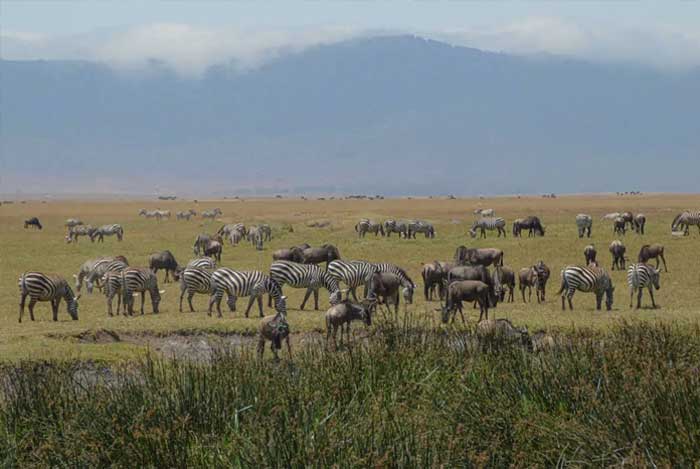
191 49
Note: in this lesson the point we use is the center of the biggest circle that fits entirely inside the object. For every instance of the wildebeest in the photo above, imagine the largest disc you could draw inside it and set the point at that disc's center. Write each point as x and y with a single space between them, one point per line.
590 253
527 279
163 260
639 221
502 330
628 217
275 329
617 250
543 274
293 254
474 272
214 249
386 286
482 256
465 290
434 274
517 227
533 225
33 221
619 226
504 277
652 251
201 242
325 253
341 315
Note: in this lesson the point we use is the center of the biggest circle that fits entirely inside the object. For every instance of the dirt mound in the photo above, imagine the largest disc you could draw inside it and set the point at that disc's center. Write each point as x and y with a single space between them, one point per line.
99 336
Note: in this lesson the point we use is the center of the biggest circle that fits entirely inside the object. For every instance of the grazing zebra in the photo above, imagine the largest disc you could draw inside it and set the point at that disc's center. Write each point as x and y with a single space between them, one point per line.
183 215
586 279
71 222
74 232
685 219
100 268
308 276
150 213
244 283
393 226
365 226
226 230
111 287
194 280
34 221
87 268
107 230
485 212
420 226
584 224
46 287
640 276
203 263
211 214
137 280
639 221
353 274
488 223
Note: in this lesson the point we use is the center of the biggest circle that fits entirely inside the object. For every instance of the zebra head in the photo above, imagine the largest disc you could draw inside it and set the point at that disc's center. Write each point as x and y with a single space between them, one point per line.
408 295
73 306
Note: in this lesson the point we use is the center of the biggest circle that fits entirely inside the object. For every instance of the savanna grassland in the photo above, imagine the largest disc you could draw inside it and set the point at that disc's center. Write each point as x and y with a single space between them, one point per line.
618 388
46 250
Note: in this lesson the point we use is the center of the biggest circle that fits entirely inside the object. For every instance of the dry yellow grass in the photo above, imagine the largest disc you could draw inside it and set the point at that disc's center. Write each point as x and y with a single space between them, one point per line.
46 250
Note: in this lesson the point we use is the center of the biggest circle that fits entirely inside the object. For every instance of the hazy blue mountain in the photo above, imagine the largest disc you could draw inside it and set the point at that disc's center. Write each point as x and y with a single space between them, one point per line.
391 115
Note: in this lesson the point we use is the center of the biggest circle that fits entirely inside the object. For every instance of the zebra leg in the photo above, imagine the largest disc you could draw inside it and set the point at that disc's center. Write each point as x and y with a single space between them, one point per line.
354 296
22 300
250 305
32 302
109 305
306 297
260 305
316 300
182 294
569 296
639 297
189 300
631 296
54 308
143 300
598 300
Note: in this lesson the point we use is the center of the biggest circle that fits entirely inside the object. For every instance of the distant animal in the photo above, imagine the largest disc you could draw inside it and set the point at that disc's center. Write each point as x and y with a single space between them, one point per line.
325 253
164 213
543 274
619 226
137 280
184 215
71 222
590 253
488 223
652 251
74 232
194 280
393 226
485 212
639 221
586 279
275 329
420 226
684 220
33 221
210 214
163 260
502 330
610 216
307 276
253 284
584 224
150 213
640 276
504 278
228 231
517 227
46 287
533 225
107 230
465 290
293 254
341 315
434 274
366 225
481 256
528 279
256 237
617 250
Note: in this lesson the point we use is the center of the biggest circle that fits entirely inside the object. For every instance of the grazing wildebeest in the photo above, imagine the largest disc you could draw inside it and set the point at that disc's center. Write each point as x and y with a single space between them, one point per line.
33 221
502 330
275 329
528 279
465 290
163 260
590 253
652 251
341 315
214 249
617 249
619 226
533 225
475 272
482 256
293 254
325 253
639 221
433 276
543 274
504 277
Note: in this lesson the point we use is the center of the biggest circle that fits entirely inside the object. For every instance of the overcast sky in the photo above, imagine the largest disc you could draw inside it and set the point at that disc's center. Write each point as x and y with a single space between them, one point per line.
191 35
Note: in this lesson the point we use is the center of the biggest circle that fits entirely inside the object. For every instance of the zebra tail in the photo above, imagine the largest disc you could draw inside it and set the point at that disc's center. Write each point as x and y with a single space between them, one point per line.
563 284
23 283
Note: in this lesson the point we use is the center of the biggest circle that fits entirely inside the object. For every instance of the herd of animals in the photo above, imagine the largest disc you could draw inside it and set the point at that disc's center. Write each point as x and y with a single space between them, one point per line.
466 278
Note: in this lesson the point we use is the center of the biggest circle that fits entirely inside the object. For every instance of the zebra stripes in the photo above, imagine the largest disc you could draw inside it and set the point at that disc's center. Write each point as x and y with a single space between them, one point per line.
640 276
100 268
137 280
194 280
365 226
107 230
86 270
406 282
584 224
76 231
684 221
111 287
46 287
393 226
420 226
586 279
202 263
353 274
308 276
488 223
244 283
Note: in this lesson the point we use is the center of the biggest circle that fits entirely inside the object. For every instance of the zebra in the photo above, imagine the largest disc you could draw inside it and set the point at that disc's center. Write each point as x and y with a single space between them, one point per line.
46 287
183 215
685 219
353 274
107 230
211 214
244 283
639 221
164 213
365 226
135 280
420 226
308 276
640 276
488 223
194 280
71 222
233 231
586 279
111 287
584 224
202 263
100 268
393 226
266 231
256 237
150 213
485 212
74 232
85 270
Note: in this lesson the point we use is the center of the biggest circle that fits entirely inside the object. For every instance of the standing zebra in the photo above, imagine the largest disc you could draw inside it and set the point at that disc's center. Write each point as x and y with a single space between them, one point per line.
685 219
150 213
46 287
137 280
393 226
244 283
584 224
640 276
107 230
256 236
211 214
488 223
420 226
308 276
365 226
184 215
353 274
100 268
266 231
586 279
194 280
112 286
202 263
